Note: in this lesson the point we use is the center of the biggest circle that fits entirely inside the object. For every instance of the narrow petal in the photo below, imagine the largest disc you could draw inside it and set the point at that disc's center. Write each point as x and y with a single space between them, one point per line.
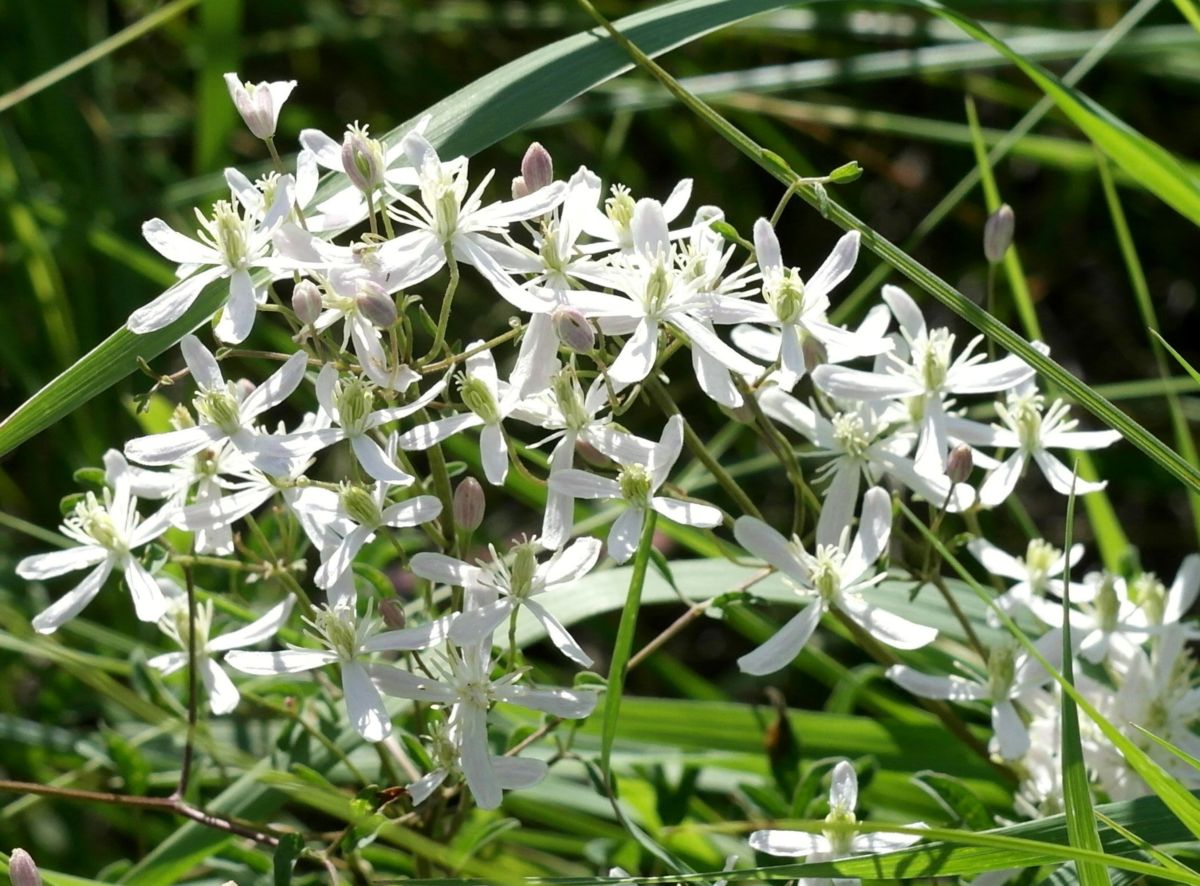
837 512
476 758
73 602
277 388
223 696
426 435
1062 479
624 535
237 318
666 453
476 626
835 268
581 484
766 247
637 356
782 649
168 663
856 384
573 704
984 377
1012 738
1183 591
177 247
905 310
401 684
558 634
788 844
514 773
262 628
57 563
421 789
951 688
1080 439
874 533
287 661
493 449
1000 483
887 627
171 447
376 463
843 788
148 600
689 513
414 512
201 363
172 304
444 570
364 703
765 543
342 556
572 563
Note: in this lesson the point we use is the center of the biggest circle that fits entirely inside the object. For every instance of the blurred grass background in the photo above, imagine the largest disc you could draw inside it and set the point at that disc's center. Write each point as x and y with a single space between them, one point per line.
147 129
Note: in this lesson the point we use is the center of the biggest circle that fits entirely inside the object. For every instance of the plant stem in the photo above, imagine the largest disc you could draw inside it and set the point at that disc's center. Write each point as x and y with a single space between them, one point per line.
439 338
185 766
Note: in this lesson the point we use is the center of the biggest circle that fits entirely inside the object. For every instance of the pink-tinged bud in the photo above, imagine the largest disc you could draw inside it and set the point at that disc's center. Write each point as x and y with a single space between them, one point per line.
469 503
998 234
393 614
306 302
519 188
362 159
574 330
259 103
537 167
959 464
21 869
815 353
244 388
376 305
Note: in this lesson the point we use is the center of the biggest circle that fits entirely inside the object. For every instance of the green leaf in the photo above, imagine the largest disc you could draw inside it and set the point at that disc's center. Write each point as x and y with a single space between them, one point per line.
958 799
286 854
1178 356
1077 795
471 119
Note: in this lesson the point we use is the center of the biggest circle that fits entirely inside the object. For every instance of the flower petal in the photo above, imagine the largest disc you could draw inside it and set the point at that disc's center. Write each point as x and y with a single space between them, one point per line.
782 649
364 703
262 628
55 563
558 634
689 513
223 696
287 661
950 688
148 600
73 601
625 533
887 627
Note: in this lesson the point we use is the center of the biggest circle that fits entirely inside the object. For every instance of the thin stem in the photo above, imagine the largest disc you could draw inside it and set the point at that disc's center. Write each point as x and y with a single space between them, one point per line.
471 352
447 300
185 767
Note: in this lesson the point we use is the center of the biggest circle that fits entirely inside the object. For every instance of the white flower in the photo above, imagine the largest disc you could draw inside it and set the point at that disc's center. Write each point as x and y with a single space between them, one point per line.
635 485
466 684
231 243
227 413
515 583
364 510
834 577
1158 605
512 773
223 696
837 841
108 530
798 308
612 228
350 643
1105 627
489 402
1012 678
1029 429
923 373
865 444
1038 572
447 220
259 103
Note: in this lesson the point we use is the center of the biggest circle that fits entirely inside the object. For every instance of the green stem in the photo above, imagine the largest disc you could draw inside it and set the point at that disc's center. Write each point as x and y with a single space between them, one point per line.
447 300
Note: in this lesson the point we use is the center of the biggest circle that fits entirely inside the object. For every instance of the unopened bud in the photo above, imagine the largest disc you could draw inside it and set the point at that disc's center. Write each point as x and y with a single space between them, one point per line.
181 418
998 233
362 159
574 330
259 103
376 305
469 504
537 168
846 173
244 388
393 614
21 869
815 353
519 188
959 464
306 302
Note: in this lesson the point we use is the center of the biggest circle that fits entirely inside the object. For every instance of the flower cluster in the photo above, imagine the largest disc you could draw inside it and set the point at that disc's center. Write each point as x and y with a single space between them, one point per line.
605 289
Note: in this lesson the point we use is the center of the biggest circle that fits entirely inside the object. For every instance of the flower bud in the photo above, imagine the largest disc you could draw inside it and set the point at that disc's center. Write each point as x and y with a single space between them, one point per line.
376 305
21 869
393 614
537 168
959 464
306 302
244 388
469 504
815 353
259 103
846 173
593 456
362 159
998 233
574 330
519 188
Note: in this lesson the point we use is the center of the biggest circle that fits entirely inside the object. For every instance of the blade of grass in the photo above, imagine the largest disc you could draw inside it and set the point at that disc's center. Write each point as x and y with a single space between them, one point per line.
1141 292
215 116
1189 11
910 267
1110 537
1077 794
1158 855
1179 358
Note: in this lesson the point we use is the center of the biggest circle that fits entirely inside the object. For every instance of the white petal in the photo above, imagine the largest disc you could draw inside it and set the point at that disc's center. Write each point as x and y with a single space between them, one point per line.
364 704
835 268
277 388
171 447
666 453
262 628
905 310
789 844
765 543
677 199
325 149
558 634
887 627
444 570
1000 483
72 603
1011 738
1063 479
648 228
168 663
690 513
39 566
514 773
983 377
766 247
841 497
996 561
376 463
1183 591
476 626
573 704
1080 439
237 319
493 449
782 649
843 788
420 790
339 560
424 436
874 532
880 842
581 484
201 363
402 684
148 600
855 384
637 356
223 696
559 514
572 563
172 304
287 661
476 759
177 247
951 688
625 533
414 512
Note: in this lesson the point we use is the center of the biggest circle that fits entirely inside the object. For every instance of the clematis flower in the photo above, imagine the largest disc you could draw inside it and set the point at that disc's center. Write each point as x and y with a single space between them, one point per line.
1158 605
512 773
1102 629
223 696
1038 572
612 228
107 529
464 683
837 841
1029 428
513 583
798 308
350 642
234 240
922 374
259 103
635 485
1013 678
226 413
834 577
